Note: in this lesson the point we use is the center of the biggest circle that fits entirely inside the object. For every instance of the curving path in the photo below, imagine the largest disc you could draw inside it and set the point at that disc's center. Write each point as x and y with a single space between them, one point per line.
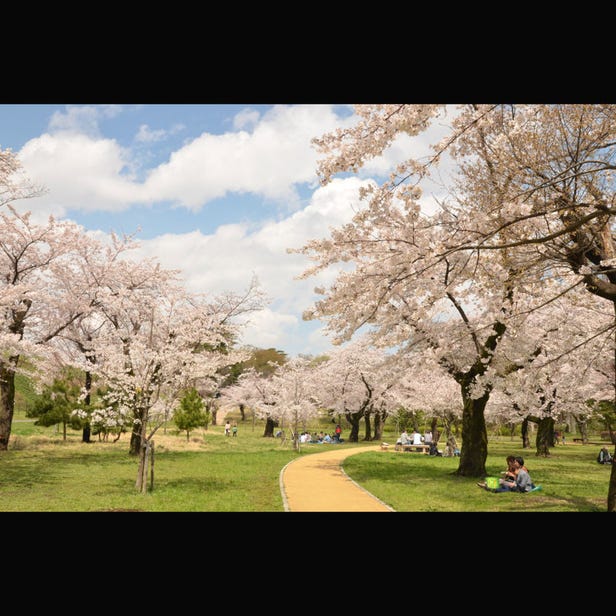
316 482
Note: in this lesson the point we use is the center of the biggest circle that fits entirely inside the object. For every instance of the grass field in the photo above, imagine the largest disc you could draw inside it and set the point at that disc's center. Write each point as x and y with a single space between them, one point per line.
214 473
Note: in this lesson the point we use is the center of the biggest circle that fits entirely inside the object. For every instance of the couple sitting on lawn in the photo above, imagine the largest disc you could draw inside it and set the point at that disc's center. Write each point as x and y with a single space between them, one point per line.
516 478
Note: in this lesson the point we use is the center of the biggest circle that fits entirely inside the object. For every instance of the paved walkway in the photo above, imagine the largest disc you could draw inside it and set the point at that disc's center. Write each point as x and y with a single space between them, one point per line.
316 482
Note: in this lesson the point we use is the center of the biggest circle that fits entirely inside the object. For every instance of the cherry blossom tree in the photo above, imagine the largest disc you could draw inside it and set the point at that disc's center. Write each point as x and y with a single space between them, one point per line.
257 392
286 396
295 386
91 278
529 208
357 381
571 368
35 307
154 347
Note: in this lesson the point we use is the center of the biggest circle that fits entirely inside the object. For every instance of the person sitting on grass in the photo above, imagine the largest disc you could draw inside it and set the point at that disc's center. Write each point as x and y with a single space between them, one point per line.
510 473
522 482
604 456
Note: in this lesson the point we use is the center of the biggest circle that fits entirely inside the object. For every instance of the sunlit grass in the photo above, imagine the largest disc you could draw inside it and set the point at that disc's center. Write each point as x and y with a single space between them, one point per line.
571 480
215 473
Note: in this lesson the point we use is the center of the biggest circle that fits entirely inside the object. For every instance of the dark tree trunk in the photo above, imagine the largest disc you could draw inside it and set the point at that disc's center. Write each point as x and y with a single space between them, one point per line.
270 424
379 422
434 429
545 436
243 412
7 400
85 435
525 435
134 447
214 412
136 441
63 430
353 419
474 451
367 427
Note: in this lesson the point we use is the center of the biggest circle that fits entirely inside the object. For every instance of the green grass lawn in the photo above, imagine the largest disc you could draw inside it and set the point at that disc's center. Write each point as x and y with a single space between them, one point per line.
571 480
214 473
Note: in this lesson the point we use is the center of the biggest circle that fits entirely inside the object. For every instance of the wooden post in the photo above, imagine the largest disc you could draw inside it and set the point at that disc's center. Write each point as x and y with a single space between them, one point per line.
152 468
144 470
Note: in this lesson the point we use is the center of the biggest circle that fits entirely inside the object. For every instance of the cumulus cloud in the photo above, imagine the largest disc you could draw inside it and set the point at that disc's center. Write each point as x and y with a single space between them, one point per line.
228 259
269 161
85 171
80 172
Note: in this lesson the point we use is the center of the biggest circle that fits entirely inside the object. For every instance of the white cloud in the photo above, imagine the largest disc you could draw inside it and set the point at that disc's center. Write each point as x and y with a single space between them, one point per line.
246 118
269 329
228 259
84 171
145 134
269 161
79 172
82 119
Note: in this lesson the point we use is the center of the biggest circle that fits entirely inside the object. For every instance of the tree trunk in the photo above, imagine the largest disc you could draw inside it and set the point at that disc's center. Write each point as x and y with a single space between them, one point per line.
545 436
474 451
7 400
353 419
379 422
367 427
270 424
242 412
214 412
64 431
85 434
137 435
434 429
582 426
525 435
144 454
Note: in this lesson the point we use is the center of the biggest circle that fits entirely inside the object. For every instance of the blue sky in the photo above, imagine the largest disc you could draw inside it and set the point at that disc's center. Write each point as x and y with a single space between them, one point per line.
216 191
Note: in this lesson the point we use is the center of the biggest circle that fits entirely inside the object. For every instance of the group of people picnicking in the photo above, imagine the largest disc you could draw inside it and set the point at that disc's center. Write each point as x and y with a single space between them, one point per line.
322 437
414 438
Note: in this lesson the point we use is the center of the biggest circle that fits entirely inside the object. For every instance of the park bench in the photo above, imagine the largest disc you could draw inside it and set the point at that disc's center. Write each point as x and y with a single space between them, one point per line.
423 448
